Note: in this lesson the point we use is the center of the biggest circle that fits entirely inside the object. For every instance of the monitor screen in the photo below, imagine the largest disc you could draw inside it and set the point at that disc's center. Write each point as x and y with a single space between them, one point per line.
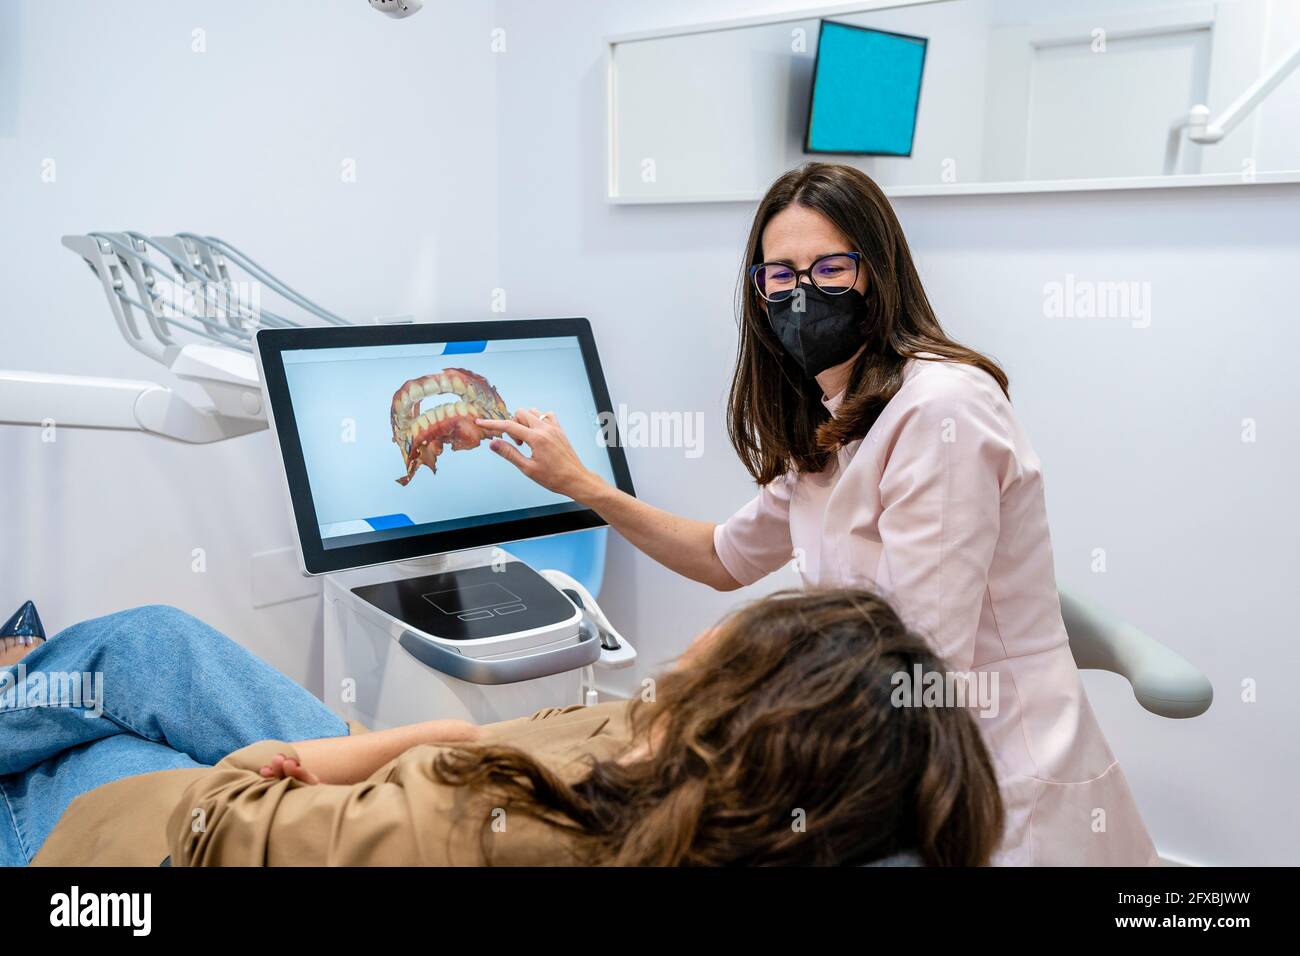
865 92
383 459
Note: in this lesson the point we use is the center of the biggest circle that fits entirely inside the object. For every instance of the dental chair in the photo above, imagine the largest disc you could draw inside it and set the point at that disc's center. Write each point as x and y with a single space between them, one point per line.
1163 682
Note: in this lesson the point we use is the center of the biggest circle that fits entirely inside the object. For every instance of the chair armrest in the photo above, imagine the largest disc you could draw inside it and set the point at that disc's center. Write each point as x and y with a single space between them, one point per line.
1163 681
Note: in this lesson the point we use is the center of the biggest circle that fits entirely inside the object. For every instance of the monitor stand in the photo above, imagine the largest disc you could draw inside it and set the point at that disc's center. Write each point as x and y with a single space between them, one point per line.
480 616
456 560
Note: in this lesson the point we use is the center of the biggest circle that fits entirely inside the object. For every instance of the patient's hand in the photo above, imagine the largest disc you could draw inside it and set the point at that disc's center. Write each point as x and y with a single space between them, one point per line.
355 757
286 768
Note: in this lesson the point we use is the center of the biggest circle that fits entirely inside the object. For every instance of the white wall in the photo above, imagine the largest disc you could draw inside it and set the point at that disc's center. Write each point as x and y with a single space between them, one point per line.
245 141
479 170
1139 429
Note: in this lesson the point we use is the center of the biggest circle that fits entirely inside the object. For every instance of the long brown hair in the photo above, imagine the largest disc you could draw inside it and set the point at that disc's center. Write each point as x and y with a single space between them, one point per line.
774 414
786 712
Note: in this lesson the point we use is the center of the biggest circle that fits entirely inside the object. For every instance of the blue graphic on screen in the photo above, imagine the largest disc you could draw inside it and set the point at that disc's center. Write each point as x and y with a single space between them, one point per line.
349 404
865 92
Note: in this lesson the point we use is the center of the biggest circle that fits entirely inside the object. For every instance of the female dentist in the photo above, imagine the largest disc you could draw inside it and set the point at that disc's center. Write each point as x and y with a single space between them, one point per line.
888 456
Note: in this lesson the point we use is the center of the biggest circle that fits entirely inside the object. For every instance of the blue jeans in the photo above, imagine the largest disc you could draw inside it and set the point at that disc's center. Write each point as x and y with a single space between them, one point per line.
142 690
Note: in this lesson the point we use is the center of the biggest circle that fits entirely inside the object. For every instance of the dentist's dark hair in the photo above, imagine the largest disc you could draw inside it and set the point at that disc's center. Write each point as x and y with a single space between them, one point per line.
775 417
778 742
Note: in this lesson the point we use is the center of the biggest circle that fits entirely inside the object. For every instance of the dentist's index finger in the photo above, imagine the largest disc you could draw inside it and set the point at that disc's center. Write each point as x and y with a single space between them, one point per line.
497 426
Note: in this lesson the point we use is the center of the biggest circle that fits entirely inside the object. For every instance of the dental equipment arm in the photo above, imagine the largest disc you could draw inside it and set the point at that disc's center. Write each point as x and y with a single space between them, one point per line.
1197 121
189 293
81 401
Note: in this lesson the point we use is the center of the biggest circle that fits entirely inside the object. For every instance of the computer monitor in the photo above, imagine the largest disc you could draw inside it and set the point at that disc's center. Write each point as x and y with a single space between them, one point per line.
382 460
866 90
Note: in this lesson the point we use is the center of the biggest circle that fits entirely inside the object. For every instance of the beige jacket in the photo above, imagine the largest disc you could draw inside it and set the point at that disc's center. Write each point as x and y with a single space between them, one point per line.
229 815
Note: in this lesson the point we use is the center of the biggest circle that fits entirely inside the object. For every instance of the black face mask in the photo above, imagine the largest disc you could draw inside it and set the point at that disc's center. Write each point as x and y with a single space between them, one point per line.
828 331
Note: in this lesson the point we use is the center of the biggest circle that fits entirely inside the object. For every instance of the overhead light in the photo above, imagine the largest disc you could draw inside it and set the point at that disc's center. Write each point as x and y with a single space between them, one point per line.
397 9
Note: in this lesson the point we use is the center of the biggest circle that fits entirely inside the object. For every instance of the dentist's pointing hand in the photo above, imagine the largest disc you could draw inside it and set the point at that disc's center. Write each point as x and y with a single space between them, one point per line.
553 463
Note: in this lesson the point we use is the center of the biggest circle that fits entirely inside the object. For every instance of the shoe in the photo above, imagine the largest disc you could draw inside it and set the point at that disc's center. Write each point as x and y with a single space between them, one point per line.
24 625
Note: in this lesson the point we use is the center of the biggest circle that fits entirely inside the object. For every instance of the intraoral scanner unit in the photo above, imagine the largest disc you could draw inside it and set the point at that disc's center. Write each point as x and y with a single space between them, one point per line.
402 506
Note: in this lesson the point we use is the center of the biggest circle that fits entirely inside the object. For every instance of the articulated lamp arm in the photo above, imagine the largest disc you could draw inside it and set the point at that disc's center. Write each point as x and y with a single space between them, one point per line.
1201 129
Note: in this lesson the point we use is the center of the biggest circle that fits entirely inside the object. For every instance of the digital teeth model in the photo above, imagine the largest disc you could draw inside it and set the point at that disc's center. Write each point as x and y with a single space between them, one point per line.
420 437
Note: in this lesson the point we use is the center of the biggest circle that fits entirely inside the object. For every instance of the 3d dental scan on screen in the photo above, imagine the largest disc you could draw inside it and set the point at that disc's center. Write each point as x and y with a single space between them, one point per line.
590 434
340 397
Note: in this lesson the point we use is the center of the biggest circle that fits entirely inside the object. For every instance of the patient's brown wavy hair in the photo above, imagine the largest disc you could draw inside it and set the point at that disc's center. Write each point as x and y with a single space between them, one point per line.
784 715
775 417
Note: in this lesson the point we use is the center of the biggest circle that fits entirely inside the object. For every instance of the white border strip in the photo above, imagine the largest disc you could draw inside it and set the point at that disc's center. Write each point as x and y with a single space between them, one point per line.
786 16
985 189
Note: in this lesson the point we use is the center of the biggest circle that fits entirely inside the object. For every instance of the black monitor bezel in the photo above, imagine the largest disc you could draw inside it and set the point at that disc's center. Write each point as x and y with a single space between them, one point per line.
316 558
808 148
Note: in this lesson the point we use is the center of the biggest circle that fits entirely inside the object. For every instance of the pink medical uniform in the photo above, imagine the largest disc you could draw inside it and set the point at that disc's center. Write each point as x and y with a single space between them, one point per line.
940 508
